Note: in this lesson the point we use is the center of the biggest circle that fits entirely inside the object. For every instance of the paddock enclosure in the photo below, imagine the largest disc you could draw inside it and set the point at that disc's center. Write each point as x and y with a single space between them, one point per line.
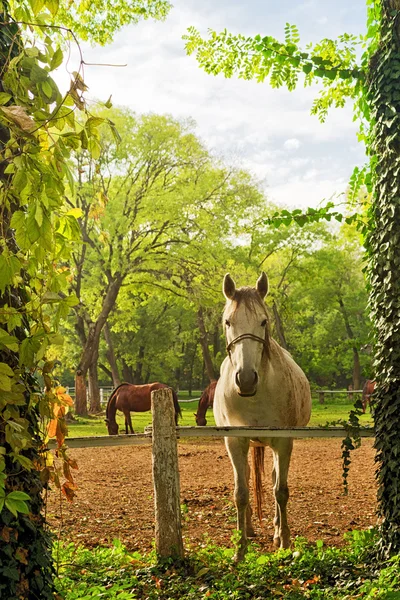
115 495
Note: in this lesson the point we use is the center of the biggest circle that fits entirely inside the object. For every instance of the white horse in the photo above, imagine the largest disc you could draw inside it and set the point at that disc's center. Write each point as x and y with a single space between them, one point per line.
260 385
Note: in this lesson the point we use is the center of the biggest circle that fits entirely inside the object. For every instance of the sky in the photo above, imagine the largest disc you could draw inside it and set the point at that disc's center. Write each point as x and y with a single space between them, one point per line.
271 133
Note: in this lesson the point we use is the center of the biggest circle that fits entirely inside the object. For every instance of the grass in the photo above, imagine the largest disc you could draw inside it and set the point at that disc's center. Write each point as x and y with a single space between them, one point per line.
307 571
321 414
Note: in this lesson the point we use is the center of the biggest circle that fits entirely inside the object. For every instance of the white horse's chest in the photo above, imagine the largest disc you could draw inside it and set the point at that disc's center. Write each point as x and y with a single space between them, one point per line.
282 399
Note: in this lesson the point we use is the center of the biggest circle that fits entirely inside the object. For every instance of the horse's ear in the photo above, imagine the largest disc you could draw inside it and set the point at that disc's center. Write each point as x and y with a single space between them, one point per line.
228 287
262 285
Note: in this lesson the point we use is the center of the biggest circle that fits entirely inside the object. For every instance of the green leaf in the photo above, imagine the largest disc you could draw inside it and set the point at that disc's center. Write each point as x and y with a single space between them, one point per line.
9 341
307 68
9 267
20 181
36 6
17 495
53 6
6 370
38 74
5 383
57 59
4 98
46 89
28 349
16 506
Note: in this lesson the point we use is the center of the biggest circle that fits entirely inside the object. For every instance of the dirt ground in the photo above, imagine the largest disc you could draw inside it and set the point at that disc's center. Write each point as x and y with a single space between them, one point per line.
115 496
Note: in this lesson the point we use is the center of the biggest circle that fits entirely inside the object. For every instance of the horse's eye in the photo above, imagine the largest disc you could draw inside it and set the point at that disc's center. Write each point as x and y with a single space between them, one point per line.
263 324
227 323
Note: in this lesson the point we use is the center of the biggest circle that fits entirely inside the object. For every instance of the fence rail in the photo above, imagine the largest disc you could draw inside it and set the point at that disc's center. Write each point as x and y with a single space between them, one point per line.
140 439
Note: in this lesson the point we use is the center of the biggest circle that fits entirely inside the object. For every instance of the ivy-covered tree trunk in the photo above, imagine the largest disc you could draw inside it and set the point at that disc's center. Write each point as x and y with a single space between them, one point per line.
384 267
26 566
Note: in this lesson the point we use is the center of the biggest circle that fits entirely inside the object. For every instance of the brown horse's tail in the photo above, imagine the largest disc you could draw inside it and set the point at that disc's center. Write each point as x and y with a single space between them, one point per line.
178 411
258 471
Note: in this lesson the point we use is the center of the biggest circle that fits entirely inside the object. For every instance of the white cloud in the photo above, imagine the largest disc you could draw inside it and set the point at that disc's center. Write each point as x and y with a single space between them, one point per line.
292 144
247 122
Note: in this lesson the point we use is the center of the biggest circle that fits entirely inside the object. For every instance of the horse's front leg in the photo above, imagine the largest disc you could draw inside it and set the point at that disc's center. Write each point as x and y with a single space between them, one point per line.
282 451
238 449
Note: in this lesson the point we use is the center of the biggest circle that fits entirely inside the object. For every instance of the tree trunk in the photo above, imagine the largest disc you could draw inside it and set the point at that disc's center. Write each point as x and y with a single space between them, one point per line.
351 336
81 407
204 345
91 348
138 376
190 386
383 244
280 332
217 340
111 356
107 371
94 390
127 373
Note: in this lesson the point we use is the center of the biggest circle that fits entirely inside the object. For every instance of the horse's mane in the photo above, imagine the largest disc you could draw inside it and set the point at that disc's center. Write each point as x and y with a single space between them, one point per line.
251 299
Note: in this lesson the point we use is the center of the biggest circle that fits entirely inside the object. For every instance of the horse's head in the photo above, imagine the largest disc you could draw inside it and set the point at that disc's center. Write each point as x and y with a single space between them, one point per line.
247 334
200 421
112 427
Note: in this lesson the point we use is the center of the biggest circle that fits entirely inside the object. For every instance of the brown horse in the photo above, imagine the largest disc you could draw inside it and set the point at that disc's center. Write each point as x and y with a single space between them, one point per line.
133 398
206 401
368 390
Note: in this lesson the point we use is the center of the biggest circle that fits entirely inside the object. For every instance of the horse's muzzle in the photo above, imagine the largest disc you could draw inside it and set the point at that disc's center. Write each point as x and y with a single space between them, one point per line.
246 383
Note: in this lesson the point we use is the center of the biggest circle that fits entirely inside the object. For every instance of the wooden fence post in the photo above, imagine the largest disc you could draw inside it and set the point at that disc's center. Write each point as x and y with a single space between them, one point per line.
321 397
168 532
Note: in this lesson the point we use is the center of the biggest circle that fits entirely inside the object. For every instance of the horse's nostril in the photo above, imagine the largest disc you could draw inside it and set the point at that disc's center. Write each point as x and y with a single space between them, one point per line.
255 377
237 379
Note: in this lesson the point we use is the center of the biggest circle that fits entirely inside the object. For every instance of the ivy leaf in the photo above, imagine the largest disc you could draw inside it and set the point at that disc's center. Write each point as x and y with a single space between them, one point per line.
16 506
17 495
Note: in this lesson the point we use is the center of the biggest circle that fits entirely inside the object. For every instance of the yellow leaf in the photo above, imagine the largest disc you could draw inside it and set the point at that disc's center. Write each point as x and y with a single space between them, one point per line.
75 212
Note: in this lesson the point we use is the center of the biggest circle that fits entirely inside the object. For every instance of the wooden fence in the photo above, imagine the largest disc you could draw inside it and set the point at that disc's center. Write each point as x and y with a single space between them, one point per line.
163 436
105 393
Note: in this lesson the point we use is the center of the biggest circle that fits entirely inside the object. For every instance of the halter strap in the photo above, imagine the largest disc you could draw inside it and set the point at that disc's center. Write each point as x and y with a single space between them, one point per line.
245 336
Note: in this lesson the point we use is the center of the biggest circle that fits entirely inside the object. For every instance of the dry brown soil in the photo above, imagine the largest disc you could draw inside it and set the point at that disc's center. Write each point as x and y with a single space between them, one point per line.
115 496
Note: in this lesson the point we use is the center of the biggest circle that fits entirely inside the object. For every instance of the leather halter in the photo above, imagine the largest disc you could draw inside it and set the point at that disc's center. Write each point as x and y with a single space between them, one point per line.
245 336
